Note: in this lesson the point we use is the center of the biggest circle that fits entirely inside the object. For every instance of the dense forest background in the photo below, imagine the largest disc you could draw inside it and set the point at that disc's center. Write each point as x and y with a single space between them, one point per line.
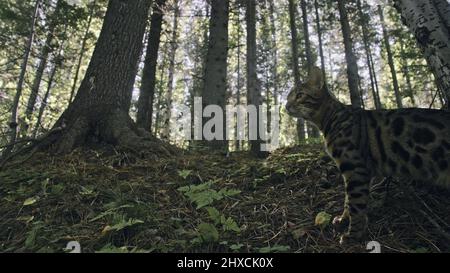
391 70
91 93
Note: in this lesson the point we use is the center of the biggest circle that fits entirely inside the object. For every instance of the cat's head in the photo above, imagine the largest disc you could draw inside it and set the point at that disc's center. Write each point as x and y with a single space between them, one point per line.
305 99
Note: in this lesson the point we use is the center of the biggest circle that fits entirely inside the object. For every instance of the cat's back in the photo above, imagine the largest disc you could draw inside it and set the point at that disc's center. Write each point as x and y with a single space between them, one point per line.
411 142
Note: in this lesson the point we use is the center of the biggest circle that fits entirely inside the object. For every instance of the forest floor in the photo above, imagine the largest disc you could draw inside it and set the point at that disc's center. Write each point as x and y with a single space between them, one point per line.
198 202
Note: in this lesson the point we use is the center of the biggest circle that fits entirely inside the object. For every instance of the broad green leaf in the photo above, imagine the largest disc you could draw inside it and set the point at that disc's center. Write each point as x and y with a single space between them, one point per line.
208 232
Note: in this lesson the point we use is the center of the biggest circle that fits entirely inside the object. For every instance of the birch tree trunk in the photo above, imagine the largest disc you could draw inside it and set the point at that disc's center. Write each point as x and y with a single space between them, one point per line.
429 20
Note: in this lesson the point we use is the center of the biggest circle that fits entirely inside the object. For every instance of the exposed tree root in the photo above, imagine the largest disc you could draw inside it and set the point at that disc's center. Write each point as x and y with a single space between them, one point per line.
118 130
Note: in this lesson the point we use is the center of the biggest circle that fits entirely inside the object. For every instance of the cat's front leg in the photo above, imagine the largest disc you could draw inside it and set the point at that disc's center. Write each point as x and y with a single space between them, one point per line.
357 181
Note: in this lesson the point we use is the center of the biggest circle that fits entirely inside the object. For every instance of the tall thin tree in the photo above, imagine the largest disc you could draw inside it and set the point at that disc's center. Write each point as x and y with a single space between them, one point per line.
390 56
295 65
350 57
144 115
13 122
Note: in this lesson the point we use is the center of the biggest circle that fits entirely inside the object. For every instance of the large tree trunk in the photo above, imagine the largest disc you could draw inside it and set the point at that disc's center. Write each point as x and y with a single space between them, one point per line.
100 109
398 97
215 86
429 21
363 22
82 50
295 66
13 122
43 59
165 133
147 92
352 66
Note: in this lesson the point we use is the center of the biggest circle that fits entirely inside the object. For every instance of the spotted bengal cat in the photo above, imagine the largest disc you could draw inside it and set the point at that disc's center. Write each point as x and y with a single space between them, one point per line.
410 143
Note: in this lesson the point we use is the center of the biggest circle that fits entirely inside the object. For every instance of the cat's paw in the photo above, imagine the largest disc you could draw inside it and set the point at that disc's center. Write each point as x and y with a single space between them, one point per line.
341 223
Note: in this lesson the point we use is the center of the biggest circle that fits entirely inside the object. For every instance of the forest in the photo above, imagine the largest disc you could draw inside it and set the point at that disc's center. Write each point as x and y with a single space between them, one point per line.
164 126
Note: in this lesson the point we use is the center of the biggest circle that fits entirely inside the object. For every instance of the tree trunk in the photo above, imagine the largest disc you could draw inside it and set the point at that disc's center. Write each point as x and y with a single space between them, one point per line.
215 85
312 129
352 66
167 114
253 90
13 122
398 97
238 143
43 59
99 112
274 51
319 34
57 61
147 93
429 22
160 87
363 23
295 67
405 69
82 50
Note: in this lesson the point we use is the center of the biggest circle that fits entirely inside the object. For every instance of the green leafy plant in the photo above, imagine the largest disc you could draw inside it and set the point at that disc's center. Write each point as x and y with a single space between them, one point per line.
203 195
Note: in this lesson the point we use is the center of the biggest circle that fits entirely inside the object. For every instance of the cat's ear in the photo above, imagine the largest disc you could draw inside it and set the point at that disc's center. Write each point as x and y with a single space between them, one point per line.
315 78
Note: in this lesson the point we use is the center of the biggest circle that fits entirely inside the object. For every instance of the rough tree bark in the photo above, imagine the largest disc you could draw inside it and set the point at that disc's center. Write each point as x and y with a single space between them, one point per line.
398 97
429 21
295 67
147 90
352 66
100 109
13 122
165 133
215 82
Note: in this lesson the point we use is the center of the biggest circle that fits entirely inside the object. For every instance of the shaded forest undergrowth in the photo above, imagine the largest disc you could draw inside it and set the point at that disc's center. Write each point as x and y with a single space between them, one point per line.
197 202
